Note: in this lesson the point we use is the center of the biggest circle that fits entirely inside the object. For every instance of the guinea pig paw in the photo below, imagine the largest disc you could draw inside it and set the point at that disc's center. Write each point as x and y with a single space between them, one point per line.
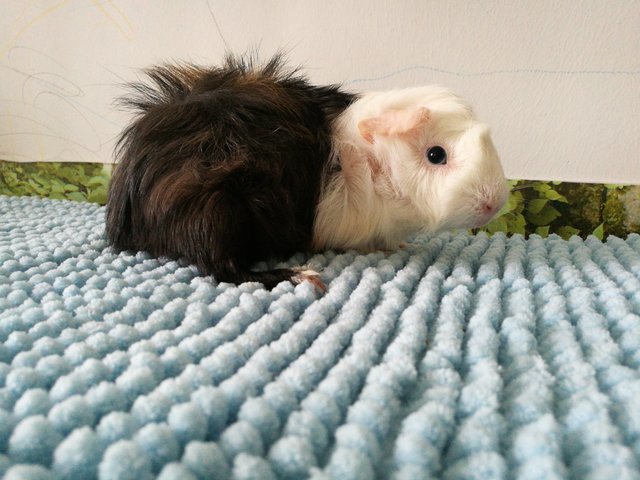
391 249
305 274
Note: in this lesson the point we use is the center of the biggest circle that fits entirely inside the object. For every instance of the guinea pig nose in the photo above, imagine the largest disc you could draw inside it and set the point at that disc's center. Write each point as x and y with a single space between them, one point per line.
488 207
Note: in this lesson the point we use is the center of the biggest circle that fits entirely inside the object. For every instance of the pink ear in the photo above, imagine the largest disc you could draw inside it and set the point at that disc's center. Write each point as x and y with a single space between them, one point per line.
394 122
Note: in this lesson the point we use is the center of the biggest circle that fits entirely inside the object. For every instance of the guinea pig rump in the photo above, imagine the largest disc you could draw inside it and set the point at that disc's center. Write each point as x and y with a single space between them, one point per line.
223 167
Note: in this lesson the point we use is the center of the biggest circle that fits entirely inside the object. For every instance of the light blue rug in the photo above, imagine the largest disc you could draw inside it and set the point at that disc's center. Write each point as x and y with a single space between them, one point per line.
459 357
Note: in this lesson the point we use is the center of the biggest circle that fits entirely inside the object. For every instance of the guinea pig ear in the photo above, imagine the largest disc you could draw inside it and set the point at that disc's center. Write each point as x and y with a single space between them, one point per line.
394 122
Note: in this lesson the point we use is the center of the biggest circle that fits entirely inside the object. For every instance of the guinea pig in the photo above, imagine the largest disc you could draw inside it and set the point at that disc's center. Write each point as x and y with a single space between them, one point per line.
230 165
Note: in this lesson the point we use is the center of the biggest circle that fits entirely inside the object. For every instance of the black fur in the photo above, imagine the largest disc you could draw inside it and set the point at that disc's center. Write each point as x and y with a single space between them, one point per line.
223 166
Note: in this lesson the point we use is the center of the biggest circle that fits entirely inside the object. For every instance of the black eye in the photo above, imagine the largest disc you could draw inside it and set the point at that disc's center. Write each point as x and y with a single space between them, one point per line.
437 155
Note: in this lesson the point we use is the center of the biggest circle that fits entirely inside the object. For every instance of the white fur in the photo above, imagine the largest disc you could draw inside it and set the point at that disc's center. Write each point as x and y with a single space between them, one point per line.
386 190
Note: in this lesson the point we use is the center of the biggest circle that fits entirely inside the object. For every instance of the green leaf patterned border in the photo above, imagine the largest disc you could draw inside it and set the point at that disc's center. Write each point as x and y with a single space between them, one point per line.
534 207
82 182
567 209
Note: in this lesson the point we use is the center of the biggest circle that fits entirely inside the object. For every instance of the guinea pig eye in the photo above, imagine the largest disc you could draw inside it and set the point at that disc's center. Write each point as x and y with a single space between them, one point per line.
437 155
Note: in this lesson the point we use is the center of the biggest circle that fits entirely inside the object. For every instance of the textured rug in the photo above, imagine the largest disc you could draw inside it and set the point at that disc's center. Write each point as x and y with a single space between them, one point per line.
457 357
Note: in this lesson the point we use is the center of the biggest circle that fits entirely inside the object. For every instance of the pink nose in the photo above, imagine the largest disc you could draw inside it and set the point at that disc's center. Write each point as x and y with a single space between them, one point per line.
487 208
485 212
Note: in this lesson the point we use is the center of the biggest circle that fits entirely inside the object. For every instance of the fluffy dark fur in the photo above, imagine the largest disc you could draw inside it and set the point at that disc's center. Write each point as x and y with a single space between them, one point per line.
222 166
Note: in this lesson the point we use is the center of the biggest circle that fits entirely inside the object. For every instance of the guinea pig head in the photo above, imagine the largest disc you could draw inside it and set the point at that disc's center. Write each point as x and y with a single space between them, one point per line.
436 160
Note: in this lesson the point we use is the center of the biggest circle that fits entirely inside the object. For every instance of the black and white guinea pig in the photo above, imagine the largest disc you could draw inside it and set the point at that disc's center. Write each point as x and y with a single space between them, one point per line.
228 166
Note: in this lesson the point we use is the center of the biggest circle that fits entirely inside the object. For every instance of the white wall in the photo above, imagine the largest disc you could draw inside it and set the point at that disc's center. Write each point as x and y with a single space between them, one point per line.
558 80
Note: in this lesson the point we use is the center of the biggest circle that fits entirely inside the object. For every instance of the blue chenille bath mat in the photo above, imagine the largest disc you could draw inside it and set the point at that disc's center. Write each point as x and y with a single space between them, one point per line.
457 357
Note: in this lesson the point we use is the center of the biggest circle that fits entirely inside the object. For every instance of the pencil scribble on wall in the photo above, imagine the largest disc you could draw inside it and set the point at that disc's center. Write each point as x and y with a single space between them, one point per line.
55 116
